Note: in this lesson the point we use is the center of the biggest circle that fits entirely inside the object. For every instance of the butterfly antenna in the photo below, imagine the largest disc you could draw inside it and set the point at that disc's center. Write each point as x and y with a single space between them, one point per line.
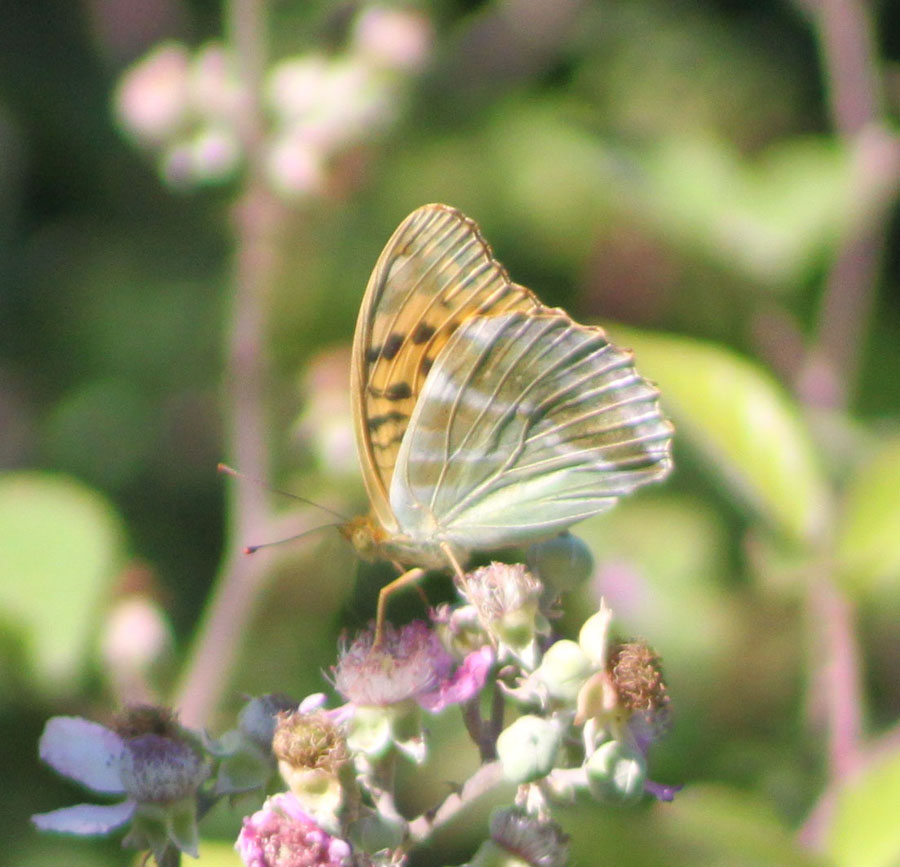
230 471
252 549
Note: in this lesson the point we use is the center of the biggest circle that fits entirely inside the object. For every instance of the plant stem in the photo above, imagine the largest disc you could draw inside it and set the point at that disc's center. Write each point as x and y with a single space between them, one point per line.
487 779
846 43
829 375
256 219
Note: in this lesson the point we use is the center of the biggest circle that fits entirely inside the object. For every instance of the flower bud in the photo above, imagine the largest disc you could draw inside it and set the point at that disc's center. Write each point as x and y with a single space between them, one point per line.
259 717
594 635
562 562
245 754
528 748
616 773
563 670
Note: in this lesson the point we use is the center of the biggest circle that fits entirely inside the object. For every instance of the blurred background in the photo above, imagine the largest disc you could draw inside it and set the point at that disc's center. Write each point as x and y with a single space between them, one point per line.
192 197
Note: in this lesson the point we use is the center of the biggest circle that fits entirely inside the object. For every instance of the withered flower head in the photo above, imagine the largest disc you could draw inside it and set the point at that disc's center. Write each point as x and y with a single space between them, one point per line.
310 741
636 671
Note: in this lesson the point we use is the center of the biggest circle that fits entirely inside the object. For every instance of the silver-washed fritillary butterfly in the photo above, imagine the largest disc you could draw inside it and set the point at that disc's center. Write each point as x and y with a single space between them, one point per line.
484 419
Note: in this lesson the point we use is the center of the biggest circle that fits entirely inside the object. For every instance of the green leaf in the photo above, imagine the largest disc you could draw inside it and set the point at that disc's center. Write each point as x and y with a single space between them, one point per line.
869 536
705 825
772 218
865 831
734 828
61 545
743 422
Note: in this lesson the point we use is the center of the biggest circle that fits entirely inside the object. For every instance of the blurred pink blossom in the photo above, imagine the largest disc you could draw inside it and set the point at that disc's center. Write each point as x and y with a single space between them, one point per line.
151 100
295 166
393 38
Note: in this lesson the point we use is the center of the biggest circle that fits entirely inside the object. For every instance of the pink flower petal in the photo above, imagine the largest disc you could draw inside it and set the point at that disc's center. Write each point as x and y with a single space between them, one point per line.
85 818
465 682
83 751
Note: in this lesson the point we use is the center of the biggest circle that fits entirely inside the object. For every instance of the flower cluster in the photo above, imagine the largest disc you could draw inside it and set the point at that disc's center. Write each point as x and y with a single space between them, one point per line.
187 109
337 762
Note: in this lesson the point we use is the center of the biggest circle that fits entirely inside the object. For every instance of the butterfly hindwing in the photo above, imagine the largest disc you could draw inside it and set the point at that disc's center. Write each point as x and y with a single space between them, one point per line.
435 273
528 423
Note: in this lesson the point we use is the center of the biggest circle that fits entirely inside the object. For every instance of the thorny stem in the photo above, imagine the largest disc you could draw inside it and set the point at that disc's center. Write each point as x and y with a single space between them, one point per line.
257 215
485 733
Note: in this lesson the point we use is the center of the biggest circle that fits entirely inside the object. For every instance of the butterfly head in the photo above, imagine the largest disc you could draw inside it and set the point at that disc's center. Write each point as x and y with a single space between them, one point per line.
366 536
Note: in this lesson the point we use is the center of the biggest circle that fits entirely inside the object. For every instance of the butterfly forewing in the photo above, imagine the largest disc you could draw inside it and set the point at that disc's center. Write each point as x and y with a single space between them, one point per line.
435 273
527 424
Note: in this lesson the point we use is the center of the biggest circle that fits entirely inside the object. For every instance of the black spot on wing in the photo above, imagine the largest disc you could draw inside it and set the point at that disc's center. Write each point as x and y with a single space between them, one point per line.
422 333
378 420
388 349
392 345
398 391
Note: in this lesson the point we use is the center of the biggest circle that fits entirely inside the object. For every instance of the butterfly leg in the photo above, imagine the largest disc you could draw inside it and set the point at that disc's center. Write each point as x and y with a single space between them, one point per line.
457 568
411 576
422 594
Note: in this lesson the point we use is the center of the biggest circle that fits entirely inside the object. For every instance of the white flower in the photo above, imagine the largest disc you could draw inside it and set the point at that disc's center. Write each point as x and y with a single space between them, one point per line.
90 754
153 762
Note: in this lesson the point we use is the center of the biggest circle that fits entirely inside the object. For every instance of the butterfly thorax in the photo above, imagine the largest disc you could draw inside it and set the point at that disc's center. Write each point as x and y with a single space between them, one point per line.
373 542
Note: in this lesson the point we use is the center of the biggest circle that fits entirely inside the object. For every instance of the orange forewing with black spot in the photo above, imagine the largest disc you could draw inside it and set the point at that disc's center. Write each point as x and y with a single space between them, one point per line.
435 272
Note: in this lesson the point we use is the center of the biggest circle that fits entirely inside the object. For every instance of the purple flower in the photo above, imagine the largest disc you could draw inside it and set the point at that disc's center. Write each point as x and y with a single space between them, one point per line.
410 663
282 834
387 686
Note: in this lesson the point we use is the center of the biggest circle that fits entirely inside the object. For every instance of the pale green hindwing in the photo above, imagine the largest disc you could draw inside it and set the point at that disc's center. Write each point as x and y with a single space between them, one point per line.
527 423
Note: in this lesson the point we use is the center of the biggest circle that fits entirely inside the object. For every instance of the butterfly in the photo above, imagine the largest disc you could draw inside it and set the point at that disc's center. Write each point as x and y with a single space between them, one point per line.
484 419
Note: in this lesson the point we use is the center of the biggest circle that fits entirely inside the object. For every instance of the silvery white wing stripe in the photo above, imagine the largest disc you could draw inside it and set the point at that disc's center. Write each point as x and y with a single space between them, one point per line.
527 423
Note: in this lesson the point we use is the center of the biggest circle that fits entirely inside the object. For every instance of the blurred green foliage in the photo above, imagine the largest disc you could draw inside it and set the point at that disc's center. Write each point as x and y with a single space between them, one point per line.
668 168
